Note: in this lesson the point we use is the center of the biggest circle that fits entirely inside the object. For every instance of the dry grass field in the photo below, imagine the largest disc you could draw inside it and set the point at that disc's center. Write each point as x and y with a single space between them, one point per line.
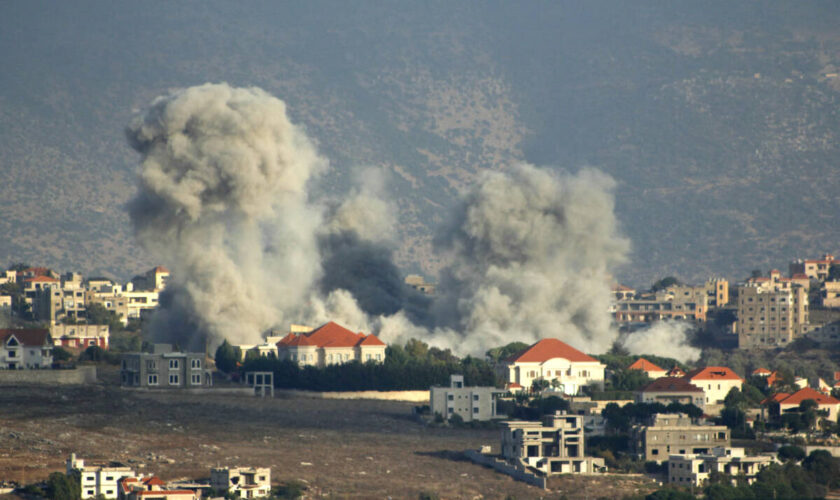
340 449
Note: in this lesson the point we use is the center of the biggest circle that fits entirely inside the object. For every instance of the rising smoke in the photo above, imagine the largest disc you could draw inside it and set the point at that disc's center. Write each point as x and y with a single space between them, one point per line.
225 201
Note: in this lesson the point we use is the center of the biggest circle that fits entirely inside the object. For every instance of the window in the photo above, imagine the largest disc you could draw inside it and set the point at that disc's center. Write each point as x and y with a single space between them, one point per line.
379 357
151 364
195 364
450 397
153 380
12 354
91 342
452 410
475 397
173 379
475 410
196 379
174 364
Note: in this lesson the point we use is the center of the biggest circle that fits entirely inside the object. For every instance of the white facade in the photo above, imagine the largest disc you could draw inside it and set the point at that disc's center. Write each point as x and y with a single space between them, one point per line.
570 375
97 480
25 349
242 482
694 469
470 403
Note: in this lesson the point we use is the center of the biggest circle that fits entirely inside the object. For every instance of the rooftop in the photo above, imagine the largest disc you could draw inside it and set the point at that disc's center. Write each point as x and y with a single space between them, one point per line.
547 349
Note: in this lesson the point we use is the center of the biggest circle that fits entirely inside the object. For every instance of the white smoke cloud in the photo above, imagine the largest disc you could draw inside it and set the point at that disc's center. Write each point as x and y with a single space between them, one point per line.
664 338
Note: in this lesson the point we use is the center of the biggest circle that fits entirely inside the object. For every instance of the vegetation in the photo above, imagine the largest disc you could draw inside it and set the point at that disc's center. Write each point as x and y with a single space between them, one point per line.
621 418
60 486
414 366
227 356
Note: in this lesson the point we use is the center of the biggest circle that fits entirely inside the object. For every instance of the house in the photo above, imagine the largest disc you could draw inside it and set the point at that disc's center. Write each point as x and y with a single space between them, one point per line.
761 372
675 371
816 269
80 336
554 446
716 382
165 368
667 390
675 434
551 359
97 480
694 468
646 366
470 403
330 344
242 482
781 403
25 349
152 488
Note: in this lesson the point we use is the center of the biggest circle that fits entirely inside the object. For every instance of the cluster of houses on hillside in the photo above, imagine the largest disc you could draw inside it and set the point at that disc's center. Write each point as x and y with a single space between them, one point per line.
115 481
771 311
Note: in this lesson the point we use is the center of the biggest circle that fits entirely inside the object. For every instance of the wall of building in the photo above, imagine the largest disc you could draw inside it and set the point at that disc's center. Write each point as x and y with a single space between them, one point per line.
77 376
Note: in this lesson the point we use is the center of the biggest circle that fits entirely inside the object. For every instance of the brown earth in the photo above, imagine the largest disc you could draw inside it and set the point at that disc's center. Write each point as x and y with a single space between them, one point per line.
340 449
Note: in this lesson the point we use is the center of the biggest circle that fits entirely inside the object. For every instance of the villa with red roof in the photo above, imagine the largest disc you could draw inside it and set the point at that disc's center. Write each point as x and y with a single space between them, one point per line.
551 359
646 366
330 344
25 348
716 382
787 402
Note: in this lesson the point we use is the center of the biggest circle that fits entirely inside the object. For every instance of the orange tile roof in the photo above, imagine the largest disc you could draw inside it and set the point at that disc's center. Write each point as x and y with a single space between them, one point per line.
153 481
713 373
161 269
676 371
300 340
41 279
808 393
775 398
761 371
371 340
644 365
547 349
670 384
334 335
164 492
773 378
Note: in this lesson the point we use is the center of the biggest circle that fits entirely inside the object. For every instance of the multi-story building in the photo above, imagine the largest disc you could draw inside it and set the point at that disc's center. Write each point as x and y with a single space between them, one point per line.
816 269
554 446
97 480
165 369
549 360
830 294
242 482
330 344
695 468
716 382
771 313
667 390
25 349
470 403
686 303
676 434
80 336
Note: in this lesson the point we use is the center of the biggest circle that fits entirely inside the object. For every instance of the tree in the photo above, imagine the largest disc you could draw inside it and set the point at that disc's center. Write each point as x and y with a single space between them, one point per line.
834 273
61 354
63 487
497 354
226 357
539 385
97 314
791 452
824 467
665 283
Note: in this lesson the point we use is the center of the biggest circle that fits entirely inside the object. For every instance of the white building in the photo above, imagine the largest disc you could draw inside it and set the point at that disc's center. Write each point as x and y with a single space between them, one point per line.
242 482
694 469
716 382
25 349
80 336
97 480
470 403
330 344
549 360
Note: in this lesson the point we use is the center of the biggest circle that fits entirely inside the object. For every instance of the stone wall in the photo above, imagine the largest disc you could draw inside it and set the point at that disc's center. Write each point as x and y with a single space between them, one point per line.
411 396
76 376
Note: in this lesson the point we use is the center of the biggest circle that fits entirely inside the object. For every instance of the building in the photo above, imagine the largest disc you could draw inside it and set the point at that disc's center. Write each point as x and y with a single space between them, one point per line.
815 269
555 446
470 403
418 283
622 292
667 390
165 369
676 434
80 336
716 382
693 469
551 359
152 488
330 344
686 303
771 314
830 294
242 482
97 480
25 349
653 371
781 403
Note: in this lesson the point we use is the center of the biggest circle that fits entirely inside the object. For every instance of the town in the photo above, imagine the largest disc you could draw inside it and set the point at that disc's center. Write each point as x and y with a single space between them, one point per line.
756 416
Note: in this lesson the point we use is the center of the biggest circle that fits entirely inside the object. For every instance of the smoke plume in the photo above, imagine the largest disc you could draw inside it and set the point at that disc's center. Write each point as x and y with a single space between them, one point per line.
222 201
664 338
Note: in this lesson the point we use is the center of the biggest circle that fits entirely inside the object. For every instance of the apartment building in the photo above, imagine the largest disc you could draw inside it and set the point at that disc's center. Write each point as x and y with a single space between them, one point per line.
676 434
22 349
80 336
771 313
97 481
552 359
165 369
693 469
330 344
242 482
470 403
815 269
687 303
554 446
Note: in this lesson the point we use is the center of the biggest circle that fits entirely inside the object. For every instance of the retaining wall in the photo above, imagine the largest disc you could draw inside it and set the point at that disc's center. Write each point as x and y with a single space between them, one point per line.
506 468
76 376
411 396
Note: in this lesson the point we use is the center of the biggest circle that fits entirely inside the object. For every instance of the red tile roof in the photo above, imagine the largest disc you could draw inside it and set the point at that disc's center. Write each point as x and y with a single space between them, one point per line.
670 384
164 492
547 349
644 365
35 337
712 373
775 398
161 269
331 335
153 481
41 279
676 371
808 393
799 276
299 340
371 340
761 371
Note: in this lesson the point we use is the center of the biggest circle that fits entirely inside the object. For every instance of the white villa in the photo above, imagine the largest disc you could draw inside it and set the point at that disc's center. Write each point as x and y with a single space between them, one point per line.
551 359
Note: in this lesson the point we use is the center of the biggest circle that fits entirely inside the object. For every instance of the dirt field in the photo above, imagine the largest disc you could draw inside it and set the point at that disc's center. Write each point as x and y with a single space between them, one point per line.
357 449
